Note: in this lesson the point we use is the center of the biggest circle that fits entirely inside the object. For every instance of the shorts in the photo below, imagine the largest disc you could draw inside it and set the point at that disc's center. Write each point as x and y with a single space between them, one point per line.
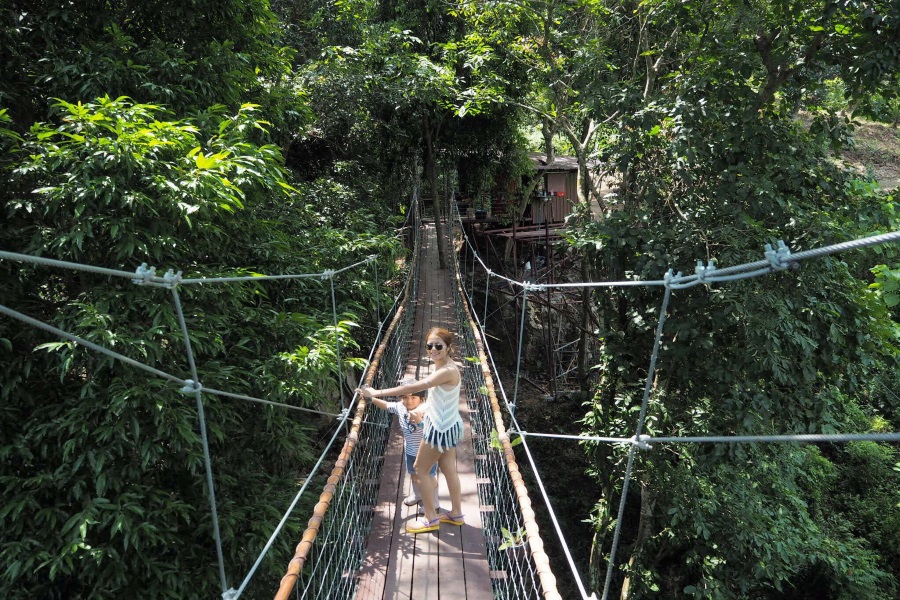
443 440
410 465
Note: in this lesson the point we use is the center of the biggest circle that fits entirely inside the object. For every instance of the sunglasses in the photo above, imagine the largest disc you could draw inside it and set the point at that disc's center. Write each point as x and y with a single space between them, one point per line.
435 346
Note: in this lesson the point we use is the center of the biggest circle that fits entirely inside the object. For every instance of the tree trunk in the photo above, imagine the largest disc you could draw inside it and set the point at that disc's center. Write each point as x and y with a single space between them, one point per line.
583 344
599 559
431 171
648 503
548 129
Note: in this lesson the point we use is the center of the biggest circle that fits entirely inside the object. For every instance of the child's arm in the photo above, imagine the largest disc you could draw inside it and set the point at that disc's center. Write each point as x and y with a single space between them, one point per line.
382 404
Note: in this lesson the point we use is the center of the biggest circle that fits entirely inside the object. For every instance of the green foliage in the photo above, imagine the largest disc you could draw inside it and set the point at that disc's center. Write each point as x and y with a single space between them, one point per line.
887 282
179 164
497 445
188 56
103 463
122 175
757 506
883 107
512 540
703 174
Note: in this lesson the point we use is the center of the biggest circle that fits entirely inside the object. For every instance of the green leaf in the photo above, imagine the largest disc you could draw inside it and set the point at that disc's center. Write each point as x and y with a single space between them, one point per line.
203 162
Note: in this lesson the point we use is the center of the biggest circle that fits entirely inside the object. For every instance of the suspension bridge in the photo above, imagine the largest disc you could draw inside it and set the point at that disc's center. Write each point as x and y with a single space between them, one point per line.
354 545
475 561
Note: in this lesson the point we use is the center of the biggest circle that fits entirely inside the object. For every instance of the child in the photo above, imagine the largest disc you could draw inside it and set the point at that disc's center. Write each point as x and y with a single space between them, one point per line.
412 437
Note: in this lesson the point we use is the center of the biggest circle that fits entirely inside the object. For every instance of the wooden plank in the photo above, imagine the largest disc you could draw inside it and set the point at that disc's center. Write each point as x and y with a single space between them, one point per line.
404 548
425 584
377 562
452 570
451 564
435 313
478 578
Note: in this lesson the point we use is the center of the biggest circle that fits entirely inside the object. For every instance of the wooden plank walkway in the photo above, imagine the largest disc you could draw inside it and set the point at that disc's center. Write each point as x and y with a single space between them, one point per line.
450 564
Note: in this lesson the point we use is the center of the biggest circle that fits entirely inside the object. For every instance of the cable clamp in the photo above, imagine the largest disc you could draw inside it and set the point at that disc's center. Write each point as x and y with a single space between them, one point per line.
534 287
230 594
778 259
345 412
671 278
327 274
371 258
191 387
172 279
144 274
641 441
704 271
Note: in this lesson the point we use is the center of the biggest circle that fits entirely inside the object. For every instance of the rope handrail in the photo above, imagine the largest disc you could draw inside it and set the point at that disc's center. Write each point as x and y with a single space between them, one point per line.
648 440
303 548
145 275
301 552
188 385
776 259
539 556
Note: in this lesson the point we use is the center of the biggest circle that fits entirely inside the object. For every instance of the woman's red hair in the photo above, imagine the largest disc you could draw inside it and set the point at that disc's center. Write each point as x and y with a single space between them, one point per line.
442 333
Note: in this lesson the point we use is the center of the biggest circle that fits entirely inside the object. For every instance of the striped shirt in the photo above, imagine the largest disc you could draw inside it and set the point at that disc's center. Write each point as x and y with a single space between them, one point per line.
412 432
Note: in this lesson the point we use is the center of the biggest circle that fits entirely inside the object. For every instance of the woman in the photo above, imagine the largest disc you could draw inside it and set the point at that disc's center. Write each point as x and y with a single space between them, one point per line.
443 430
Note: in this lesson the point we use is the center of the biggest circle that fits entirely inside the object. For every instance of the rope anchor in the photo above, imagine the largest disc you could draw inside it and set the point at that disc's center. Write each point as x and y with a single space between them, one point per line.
191 387
641 442
144 274
779 259
671 279
705 271
172 279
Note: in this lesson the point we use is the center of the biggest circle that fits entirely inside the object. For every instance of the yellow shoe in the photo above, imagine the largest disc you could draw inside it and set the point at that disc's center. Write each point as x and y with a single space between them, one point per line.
423 525
452 520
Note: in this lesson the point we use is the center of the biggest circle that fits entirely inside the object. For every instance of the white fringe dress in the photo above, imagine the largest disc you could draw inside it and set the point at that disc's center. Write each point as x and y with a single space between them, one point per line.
443 423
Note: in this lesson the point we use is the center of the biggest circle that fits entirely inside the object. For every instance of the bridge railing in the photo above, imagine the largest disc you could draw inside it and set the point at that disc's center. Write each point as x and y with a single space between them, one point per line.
328 558
515 548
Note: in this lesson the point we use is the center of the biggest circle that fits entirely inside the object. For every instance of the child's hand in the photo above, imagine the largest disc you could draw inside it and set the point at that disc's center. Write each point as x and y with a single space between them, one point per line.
365 391
415 415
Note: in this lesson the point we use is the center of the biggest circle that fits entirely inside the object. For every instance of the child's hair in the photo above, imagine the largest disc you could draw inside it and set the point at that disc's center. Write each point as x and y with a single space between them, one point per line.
442 333
407 381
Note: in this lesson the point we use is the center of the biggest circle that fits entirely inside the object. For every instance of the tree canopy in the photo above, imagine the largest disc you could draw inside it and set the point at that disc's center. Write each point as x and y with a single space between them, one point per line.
277 137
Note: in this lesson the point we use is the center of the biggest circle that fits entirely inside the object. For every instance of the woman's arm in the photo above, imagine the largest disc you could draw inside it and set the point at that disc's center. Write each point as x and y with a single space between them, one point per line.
439 377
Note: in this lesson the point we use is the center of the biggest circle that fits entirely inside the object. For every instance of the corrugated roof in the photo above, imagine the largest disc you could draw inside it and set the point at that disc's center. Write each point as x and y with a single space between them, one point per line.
561 163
